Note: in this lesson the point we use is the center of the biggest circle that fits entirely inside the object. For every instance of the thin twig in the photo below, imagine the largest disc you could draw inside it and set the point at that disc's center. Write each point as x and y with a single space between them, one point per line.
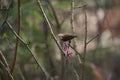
55 16
49 25
3 59
72 17
76 74
92 38
5 65
65 18
7 70
6 14
62 74
30 51
17 41
21 74
47 53
73 30
85 41
85 47
77 53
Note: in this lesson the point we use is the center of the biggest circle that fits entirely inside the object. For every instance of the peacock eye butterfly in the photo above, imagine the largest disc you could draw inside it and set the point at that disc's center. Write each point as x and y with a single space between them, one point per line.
66 37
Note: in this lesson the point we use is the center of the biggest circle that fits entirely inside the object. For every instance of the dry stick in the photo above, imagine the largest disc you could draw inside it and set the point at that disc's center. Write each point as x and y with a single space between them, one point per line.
48 55
33 55
7 70
55 16
4 63
21 74
56 19
92 38
62 74
66 17
76 74
85 47
77 53
17 41
3 59
49 26
73 31
61 23
6 14
72 18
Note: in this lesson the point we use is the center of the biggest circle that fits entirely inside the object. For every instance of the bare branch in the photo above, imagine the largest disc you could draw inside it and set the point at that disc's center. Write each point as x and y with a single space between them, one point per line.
49 25
21 73
75 73
4 63
77 53
85 47
6 14
30 51
73 30
17 41
92 38
7 70
3 59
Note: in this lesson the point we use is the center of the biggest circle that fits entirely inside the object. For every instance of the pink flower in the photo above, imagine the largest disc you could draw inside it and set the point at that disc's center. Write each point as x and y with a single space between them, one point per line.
66 49
65 46
70 55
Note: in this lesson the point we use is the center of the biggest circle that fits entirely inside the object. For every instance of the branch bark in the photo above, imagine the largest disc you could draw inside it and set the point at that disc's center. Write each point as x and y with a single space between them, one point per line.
49 26
4 64
17 40
30 51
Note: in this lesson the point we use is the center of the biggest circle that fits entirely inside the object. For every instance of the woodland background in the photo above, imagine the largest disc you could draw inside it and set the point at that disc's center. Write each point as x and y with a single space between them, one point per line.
28 51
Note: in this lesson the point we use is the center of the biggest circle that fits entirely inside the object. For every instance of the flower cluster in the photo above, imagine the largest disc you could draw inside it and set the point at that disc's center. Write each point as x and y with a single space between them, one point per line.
66 49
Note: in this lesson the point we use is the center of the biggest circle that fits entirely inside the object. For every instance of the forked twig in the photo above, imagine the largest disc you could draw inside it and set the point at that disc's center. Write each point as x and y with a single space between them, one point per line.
85 47
77 53
92 38
30 51
49 26
7 70
17 41
73 30
6 14
4 64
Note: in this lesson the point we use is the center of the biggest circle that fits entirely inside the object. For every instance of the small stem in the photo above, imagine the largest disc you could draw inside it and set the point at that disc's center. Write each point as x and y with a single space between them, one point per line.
7 70
77 53
55 16
72 15
3 59
6 14
30 51
49 26
17 41
73 30
4 63
85 47
75 73
92 38
21 74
